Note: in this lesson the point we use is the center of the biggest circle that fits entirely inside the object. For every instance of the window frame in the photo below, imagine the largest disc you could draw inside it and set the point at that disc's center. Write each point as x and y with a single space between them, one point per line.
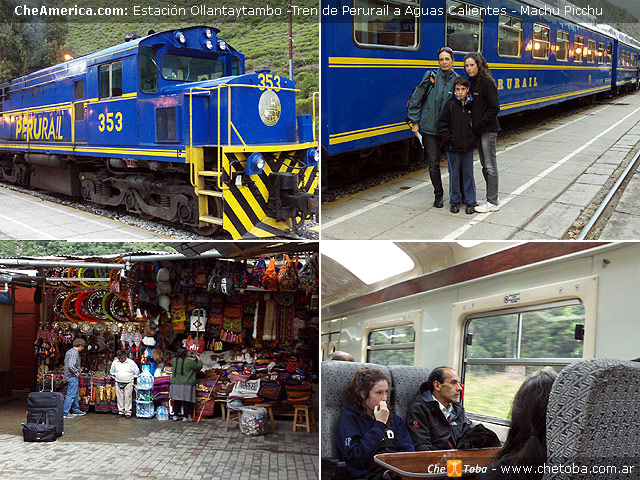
602 59
516 361
417 29
390 347
521 30
566 59
480 34
412 318
533 39
110 65
591 52
140 55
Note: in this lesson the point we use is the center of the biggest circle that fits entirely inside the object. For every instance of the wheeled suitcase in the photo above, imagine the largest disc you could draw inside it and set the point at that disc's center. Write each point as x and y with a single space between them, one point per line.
48 406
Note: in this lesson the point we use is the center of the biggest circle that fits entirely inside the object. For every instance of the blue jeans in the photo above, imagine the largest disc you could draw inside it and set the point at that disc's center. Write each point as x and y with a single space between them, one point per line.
489 162
71 401
461 173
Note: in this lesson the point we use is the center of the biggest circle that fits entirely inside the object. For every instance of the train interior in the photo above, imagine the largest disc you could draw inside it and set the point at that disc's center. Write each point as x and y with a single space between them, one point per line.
495 312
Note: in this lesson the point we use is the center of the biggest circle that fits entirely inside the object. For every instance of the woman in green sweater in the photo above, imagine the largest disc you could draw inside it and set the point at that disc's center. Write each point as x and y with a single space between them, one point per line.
183 385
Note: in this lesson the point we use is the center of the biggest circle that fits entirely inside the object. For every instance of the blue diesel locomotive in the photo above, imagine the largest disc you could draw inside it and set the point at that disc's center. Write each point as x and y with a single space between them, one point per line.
170 126
374 52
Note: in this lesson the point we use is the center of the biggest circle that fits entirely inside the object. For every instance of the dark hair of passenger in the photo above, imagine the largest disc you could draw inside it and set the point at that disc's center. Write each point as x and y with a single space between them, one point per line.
526 443
483 66
464 81
437 374
362 382
123 353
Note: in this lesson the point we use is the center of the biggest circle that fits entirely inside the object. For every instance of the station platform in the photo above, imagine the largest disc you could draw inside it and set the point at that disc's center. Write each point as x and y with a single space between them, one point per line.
27 217
547 177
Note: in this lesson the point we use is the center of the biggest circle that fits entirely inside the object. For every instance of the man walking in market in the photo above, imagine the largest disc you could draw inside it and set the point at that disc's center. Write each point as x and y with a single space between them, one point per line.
72 370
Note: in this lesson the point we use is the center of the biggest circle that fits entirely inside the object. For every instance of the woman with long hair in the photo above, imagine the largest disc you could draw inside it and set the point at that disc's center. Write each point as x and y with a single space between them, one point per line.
367 427
526 443
182 389
484 117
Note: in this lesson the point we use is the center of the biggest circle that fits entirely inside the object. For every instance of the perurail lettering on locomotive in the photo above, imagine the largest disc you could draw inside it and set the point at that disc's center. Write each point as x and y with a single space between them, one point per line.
38 127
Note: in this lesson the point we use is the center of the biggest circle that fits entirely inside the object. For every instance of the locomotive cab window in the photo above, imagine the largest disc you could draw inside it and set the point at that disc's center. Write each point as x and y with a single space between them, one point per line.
392 345
110 80
78 94
503 348
148 70
541 42
464 27
509 36
373 28
562 46
190 69
236 65
578 49
591 51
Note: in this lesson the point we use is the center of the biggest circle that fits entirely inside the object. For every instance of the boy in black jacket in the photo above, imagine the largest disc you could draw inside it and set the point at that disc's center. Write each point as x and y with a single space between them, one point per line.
454 127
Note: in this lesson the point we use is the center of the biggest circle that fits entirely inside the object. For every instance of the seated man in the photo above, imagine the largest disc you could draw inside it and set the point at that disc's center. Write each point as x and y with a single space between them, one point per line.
435 419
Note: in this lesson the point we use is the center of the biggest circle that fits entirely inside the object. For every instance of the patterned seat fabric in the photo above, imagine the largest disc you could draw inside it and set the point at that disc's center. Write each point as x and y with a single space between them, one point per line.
593 420
406 382
336 377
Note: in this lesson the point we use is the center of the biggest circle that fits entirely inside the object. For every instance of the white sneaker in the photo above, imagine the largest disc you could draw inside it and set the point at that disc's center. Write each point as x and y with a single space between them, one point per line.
487 207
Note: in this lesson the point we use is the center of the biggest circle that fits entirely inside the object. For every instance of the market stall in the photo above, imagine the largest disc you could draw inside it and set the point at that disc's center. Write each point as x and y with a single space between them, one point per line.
251 315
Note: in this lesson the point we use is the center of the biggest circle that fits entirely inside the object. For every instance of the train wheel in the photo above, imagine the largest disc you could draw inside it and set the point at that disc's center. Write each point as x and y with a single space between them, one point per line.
206 231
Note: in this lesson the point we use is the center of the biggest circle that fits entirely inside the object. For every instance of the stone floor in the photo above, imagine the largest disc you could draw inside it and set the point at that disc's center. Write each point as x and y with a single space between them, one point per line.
103 447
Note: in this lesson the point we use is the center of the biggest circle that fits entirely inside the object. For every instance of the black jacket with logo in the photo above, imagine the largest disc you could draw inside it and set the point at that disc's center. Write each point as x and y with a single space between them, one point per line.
454 126
428 427
485 105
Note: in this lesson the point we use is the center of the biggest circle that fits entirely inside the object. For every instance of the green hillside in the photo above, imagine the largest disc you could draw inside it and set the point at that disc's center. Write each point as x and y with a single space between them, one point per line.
616 16
264 40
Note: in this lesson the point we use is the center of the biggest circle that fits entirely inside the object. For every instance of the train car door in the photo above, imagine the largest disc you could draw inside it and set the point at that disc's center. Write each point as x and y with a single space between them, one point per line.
79 112
6 329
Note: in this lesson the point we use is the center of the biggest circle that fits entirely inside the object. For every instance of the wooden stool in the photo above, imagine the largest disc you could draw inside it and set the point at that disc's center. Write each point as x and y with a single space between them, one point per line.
223 408
269 407
232 416
303 417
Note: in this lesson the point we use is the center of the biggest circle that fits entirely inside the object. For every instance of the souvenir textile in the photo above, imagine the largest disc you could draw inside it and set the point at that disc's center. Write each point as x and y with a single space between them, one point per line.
288 274
270 278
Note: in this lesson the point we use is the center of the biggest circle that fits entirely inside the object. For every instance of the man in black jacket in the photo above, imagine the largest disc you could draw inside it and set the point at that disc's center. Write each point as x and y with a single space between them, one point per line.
435 419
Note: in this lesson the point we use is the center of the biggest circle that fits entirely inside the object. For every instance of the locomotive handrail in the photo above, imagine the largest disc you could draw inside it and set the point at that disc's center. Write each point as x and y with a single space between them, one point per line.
219 88
313 118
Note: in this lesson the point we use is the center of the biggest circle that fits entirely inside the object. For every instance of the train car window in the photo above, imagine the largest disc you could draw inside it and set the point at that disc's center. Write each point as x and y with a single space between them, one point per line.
506 347
562 46
541 42
464 27
509 36
148 59
190 69
601 57
392 345
78 94
633 60
236 65
591 51
578 49
110 80
609 56
374 27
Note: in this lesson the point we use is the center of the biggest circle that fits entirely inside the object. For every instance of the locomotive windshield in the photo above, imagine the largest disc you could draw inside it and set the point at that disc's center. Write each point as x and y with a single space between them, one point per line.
190 69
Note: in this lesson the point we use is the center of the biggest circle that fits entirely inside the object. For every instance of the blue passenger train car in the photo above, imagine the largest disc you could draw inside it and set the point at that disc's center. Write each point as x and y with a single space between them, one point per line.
375 52
170 126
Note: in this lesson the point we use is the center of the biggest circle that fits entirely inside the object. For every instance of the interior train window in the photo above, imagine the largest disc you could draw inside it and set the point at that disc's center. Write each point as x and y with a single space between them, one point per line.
464 27
562 46
541 42
148 59
591 51
502 349
578 49
392 345
110 80
509 36
376 28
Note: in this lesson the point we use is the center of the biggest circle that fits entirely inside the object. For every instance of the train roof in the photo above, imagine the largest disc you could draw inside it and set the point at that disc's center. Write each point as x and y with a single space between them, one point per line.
79 64
620 36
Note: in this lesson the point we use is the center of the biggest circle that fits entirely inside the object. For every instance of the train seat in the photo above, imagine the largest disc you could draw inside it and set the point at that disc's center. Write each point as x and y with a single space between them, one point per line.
406 381
593 418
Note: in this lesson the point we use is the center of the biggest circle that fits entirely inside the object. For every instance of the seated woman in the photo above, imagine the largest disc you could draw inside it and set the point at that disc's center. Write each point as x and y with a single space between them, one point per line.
367 427
526 443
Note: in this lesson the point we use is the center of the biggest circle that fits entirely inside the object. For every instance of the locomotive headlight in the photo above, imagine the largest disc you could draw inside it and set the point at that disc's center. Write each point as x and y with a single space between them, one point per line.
312 157
222 45
180 37
255 164
208 33
209 44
